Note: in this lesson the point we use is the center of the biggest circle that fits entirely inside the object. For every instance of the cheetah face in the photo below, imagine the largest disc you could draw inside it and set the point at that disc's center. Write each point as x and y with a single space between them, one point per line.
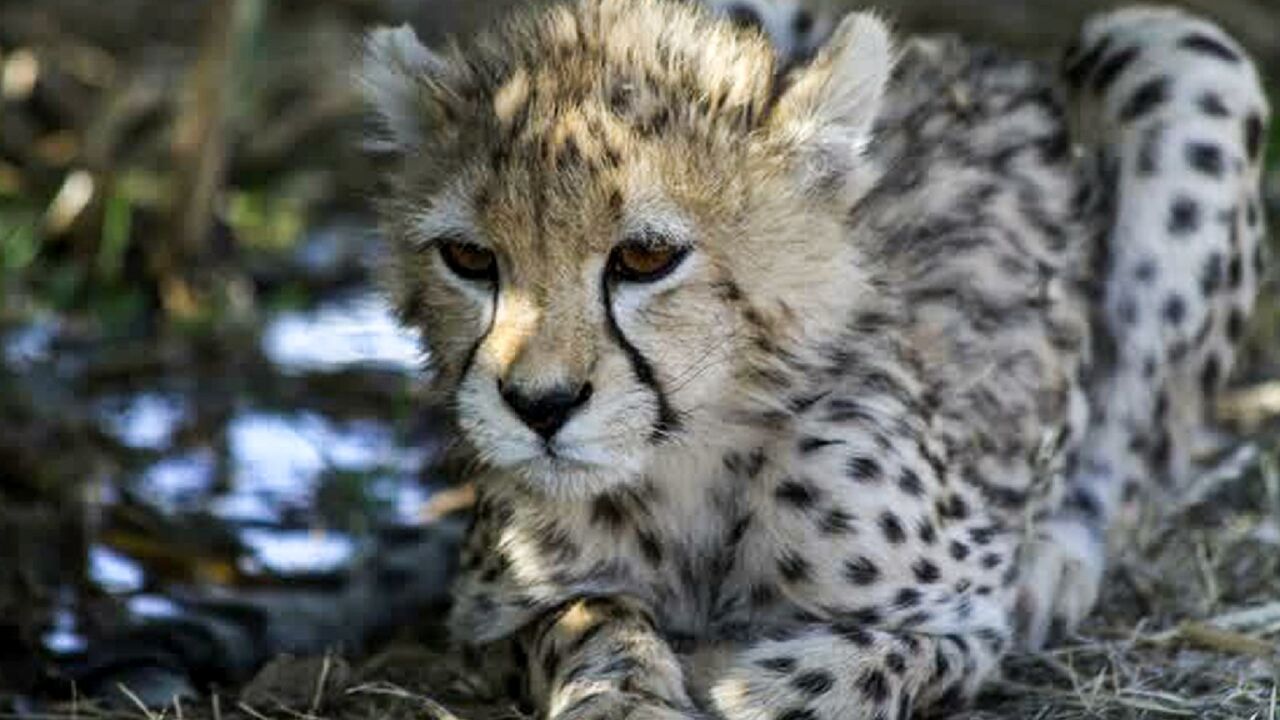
607 221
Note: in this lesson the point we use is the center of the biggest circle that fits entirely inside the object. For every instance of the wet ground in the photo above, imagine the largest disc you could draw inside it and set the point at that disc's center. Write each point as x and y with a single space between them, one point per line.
280 457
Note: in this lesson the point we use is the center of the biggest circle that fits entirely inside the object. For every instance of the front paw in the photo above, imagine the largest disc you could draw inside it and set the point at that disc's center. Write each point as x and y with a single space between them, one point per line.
612 705
782 687
1059 581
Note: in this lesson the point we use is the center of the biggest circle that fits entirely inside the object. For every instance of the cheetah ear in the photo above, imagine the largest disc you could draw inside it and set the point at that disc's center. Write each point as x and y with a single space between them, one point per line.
402 81
833 102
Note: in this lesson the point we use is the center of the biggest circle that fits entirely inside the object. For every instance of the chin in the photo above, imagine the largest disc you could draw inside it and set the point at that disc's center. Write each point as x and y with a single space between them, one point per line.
575 474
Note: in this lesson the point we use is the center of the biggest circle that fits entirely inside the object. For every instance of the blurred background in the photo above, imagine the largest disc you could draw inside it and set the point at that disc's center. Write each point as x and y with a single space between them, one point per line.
207 415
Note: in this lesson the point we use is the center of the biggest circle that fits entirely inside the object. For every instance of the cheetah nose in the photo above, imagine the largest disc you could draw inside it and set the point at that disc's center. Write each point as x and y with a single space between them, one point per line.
744 16
547 411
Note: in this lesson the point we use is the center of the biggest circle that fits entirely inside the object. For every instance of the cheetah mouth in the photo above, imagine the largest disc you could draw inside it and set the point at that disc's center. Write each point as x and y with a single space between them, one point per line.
570 456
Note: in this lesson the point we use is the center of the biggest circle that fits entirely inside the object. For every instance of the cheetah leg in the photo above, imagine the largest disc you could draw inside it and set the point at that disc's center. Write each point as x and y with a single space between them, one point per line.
1173 110
602 659
854 673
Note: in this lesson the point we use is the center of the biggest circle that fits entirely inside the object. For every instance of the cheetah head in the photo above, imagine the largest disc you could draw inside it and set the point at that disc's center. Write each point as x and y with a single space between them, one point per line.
618 227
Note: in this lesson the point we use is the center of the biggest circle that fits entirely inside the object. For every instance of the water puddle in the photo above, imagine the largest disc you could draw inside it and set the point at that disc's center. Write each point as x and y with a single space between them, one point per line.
262 472
359 331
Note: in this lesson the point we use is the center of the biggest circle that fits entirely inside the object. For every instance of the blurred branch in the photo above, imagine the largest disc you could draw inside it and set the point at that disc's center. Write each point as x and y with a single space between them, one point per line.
199 155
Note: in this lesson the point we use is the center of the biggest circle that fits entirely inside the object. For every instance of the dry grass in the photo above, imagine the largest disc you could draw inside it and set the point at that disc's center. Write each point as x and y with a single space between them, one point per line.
1188 627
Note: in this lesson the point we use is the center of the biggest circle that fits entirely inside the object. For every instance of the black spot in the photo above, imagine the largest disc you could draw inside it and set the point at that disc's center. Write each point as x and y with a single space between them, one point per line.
1078 70
748 466
555 542
1209 376
1084 502
1253 136
904 707
763 595
797 493
954 508
896 663
874 686
927 533
866 615
1184 216
1251 213
861 571
836 522
1201 43
780 664
1235 272
941 666
605 510
982 535
909 482
926 571
990 560
1162 453
650 548
811 444
814 682
793 567
1149 149
1054 148
891 526
1211 274
1235 325
1206 158
1211 104
864 469
1145 99
1175 310
1145 271
907 597
853 633
1110 69
958 550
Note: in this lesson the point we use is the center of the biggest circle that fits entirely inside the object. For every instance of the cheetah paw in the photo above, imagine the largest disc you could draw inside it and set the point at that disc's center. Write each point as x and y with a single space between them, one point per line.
617 705
1059 582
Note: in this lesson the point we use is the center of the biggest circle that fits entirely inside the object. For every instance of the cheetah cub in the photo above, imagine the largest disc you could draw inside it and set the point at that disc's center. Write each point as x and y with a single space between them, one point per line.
806 395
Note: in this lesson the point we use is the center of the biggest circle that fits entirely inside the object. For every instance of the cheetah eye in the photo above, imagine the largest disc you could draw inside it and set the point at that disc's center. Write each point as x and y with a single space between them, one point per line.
468 260
645 260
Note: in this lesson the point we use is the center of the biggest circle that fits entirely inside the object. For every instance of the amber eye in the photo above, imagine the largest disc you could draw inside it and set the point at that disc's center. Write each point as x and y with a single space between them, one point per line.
645 261
469 261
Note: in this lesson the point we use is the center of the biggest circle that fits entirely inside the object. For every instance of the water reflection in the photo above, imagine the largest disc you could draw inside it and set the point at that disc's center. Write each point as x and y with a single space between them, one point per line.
299 552
146 421
114 572
355 331
284 466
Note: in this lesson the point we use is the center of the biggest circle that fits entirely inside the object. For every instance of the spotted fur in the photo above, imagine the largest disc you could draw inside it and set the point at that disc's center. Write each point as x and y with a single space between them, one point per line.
857 439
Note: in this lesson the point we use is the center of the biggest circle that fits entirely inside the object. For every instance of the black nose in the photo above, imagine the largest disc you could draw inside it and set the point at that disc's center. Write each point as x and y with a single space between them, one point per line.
744 16
548 410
